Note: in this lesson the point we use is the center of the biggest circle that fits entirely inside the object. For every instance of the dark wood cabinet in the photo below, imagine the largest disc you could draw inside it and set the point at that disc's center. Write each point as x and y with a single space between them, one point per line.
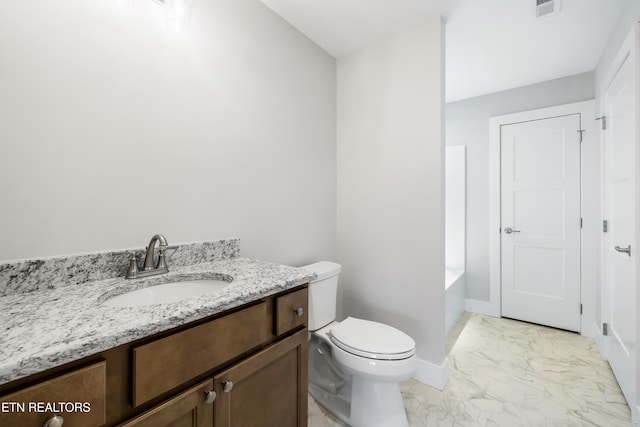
266 389
253 357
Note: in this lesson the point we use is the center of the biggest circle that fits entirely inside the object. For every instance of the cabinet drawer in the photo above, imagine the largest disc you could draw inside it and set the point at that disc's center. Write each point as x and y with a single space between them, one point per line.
171 361
288 313
79 397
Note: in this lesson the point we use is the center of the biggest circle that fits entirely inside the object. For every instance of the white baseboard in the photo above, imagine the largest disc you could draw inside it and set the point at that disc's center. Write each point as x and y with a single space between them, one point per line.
635 415
481 307
432 374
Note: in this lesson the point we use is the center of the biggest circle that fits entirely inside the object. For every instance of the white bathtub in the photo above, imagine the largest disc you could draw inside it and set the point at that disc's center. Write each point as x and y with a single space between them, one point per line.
454 297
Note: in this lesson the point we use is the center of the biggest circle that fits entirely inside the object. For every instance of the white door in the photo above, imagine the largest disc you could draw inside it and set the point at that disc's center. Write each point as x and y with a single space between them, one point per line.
619 243
540 221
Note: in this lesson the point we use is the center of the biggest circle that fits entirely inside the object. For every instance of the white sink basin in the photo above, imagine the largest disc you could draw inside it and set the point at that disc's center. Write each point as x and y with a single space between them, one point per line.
166 293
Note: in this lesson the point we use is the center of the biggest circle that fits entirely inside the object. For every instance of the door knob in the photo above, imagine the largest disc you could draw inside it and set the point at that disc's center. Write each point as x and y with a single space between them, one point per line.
55 421
227 386
209 396
510 230
626 250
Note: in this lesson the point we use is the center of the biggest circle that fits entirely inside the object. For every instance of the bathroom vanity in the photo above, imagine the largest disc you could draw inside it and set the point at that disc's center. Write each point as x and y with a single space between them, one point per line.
237 357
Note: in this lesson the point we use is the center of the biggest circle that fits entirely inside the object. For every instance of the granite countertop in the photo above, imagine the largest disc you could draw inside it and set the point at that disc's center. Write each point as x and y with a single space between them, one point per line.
50 327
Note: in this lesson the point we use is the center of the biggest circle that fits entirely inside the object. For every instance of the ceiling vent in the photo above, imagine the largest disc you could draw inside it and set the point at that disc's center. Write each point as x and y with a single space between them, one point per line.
547 7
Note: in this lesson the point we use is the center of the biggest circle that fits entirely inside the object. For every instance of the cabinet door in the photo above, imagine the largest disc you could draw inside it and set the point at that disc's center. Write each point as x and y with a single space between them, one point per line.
266 389
188 409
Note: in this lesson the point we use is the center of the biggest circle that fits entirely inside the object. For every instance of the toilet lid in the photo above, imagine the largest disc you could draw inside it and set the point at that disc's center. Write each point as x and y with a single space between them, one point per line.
372 339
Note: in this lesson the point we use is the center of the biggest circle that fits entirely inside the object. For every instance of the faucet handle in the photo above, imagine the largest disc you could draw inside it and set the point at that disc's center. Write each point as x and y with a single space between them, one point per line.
162 262
132 271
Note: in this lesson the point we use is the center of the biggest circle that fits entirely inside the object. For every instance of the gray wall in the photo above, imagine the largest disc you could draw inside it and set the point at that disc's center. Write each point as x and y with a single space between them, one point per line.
467 123
390 188
115 128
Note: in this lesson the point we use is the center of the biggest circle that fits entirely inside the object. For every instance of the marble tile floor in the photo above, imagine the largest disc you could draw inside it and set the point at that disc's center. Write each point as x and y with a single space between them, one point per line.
507 373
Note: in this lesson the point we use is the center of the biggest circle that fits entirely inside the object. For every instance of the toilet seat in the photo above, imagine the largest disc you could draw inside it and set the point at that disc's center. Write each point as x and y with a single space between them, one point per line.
372 340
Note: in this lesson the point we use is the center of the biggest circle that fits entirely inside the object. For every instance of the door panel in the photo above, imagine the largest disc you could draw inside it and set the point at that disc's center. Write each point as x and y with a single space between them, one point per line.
620 294
530 279
548 221
540 190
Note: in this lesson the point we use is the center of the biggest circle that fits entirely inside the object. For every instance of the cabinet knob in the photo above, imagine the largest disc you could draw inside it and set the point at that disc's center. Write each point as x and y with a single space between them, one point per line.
55 421
298 311
209 396
227 386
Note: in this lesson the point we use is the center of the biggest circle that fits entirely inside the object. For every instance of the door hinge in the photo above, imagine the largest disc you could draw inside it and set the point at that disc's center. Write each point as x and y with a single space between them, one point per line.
605 226
605 329
604 121
581 222
580 131
580 308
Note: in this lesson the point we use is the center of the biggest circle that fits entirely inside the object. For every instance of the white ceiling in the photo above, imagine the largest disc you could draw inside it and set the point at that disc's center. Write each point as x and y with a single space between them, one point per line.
491 45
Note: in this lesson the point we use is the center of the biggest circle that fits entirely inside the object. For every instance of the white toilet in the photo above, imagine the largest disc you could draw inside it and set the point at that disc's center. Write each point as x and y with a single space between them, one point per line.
355 366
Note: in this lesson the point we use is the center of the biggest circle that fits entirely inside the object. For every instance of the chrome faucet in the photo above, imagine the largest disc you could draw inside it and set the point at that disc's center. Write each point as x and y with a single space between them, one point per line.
150 255
148 269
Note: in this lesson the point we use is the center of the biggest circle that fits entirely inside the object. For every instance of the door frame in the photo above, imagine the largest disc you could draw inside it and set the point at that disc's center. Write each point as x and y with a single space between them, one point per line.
590 205
630 46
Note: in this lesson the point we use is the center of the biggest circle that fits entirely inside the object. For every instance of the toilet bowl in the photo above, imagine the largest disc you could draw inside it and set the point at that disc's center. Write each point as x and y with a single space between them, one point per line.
356 365
373 350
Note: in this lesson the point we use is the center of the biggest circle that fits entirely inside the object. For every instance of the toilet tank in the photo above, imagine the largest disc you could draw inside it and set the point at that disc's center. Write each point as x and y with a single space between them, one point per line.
323 293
